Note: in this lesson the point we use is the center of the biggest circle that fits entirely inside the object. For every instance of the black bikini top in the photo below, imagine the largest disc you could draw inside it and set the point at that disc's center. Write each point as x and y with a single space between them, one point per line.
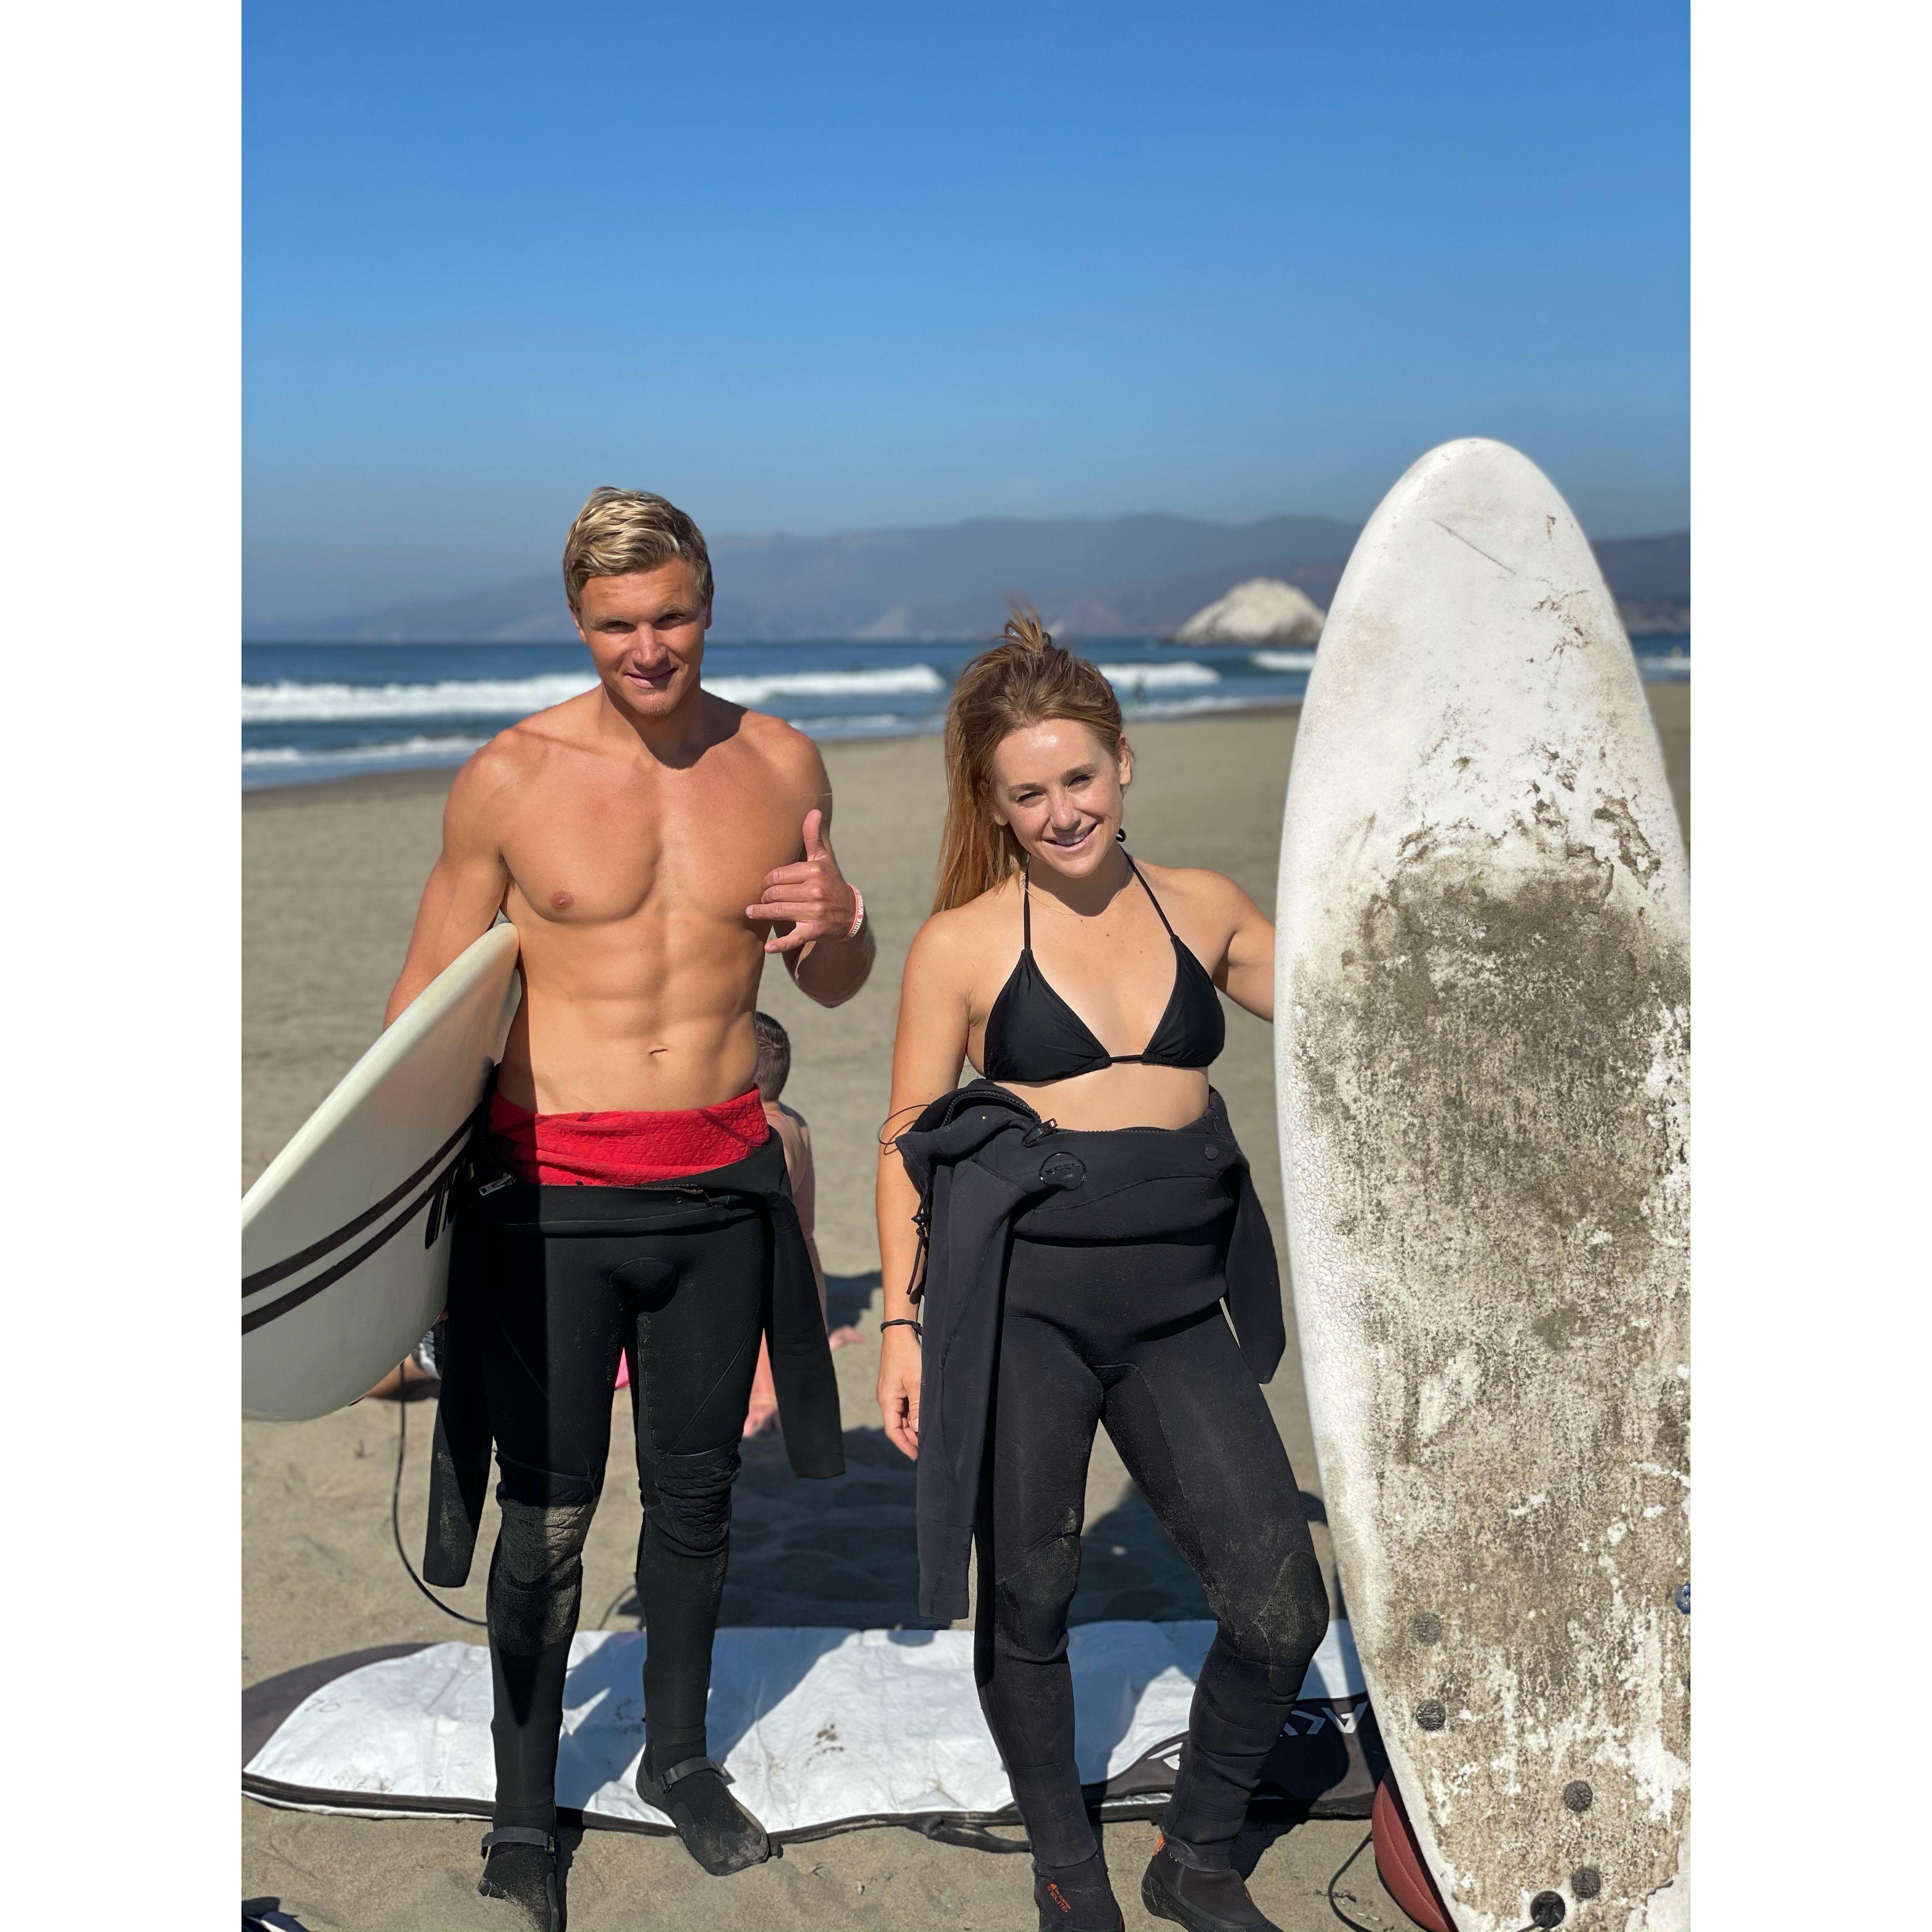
1033 1036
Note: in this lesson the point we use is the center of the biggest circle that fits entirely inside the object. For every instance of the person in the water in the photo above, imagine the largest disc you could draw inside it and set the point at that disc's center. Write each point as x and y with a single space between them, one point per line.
1071 1224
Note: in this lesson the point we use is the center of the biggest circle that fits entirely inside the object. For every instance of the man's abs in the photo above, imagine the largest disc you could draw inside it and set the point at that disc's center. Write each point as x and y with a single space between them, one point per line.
640 970
652 1052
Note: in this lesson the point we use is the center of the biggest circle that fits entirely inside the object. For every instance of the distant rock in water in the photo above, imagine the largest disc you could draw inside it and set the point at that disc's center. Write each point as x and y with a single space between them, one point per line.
1263 610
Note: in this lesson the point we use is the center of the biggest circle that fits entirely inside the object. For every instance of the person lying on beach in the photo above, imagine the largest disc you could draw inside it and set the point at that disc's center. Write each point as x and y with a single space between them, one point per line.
774 1070
653 846
1073 1221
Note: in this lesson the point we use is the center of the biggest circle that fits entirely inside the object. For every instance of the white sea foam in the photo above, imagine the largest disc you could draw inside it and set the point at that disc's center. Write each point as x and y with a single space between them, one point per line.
290 703
1135 679
293 758
1194 707
907 681
873 724
1281 660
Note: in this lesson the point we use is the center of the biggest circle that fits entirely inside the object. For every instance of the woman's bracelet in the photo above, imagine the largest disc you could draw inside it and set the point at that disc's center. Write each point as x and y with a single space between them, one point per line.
858 913
904 1321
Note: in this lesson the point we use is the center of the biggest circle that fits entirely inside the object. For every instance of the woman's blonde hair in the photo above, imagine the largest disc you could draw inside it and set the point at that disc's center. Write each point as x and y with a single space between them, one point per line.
1026 678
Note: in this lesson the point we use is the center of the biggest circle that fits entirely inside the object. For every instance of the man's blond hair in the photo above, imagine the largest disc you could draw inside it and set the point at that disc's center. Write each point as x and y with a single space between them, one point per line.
620 531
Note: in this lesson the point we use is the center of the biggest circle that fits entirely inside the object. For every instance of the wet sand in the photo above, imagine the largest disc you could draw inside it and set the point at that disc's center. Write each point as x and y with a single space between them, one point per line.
331 875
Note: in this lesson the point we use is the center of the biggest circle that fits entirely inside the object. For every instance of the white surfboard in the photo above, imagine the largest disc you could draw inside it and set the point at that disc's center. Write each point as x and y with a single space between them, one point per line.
1482 1037
345 1235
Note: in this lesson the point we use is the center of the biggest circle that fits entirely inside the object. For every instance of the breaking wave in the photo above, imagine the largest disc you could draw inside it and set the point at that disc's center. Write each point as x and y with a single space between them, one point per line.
288 703
1134 680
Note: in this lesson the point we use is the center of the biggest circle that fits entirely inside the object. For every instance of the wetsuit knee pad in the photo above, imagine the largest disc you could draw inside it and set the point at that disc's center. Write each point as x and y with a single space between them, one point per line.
693 1505
1030 1602
540 1542
1285 1629
537 1576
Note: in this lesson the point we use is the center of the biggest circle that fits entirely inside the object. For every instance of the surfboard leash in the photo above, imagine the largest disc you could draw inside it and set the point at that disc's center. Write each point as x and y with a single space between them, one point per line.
396 1515
1356 1924
1368 1839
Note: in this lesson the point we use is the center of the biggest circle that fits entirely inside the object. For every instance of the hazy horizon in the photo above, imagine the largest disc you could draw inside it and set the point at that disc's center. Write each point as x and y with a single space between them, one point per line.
723 543
727 540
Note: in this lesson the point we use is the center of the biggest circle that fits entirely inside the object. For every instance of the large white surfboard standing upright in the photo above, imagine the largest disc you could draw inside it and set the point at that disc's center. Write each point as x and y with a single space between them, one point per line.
1482 1037
345 1235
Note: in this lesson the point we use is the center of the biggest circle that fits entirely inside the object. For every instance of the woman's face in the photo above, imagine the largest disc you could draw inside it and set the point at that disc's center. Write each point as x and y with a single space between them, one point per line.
1059 789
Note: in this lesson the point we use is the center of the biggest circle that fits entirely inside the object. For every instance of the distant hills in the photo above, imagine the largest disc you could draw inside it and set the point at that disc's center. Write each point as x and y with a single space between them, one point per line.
1115 577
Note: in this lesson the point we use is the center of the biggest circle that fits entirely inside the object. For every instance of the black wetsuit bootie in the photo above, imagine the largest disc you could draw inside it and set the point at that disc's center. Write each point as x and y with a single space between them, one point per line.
1182 1885
717 1831
519 1864
1076 1898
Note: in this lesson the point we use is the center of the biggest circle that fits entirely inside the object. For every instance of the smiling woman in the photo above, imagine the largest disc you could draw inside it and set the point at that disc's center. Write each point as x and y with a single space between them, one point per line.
1091 976
1069 1226
1023 680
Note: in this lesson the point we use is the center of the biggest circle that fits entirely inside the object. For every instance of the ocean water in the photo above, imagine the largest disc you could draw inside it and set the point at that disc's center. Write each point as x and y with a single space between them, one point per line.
314 713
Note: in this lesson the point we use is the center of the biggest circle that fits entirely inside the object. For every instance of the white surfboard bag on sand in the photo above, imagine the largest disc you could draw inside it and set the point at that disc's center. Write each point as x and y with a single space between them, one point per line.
821 1730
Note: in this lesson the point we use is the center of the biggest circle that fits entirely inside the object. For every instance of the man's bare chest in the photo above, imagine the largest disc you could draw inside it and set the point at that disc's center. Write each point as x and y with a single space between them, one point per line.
609 857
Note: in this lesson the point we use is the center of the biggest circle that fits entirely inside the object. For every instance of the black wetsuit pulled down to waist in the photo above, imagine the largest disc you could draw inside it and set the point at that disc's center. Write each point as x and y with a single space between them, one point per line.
988 1168
549 1287
1073 1278
494 1204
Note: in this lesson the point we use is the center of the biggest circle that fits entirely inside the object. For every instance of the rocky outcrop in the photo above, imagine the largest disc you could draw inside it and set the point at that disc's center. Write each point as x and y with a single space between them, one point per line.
1263 610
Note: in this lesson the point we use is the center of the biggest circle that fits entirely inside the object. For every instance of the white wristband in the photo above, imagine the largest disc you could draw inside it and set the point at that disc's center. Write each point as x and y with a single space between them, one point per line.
859 913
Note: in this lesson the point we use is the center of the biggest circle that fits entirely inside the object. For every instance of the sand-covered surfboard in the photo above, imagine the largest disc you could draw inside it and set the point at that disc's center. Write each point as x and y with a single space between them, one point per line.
345 1235
1482 1034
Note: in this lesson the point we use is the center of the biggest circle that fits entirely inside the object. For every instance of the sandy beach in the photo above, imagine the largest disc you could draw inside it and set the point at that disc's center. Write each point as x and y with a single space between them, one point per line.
332 876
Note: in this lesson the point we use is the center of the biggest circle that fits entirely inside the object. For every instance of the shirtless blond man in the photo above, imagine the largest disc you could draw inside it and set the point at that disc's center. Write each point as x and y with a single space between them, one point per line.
653 846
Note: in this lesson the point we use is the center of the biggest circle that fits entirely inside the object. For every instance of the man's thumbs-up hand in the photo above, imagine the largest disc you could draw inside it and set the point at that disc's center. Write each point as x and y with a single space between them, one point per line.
810 897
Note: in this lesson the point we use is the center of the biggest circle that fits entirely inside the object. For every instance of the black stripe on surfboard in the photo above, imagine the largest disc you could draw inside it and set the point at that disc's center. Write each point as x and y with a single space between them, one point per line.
267 1277
256 1318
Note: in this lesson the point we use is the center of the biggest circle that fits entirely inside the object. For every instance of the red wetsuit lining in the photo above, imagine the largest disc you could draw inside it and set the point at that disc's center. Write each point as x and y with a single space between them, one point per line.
625 1149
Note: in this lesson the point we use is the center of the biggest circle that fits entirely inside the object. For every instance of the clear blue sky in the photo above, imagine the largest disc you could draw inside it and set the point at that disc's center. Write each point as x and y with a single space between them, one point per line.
834 267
